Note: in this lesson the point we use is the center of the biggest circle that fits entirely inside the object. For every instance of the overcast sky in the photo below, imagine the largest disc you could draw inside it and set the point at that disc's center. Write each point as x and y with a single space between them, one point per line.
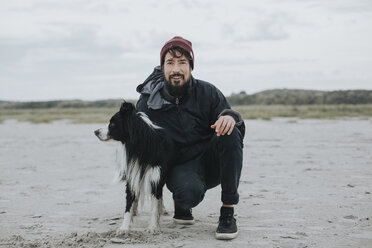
98 49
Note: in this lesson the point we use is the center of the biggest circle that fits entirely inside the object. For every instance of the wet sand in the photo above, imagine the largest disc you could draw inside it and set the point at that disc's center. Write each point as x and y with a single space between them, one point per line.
305 183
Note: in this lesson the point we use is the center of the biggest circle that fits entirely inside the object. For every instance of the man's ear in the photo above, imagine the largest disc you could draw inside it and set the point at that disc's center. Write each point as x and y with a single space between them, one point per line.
126 107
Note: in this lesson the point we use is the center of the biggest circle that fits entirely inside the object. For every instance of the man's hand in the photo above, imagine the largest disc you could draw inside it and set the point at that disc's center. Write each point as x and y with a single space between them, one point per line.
224 125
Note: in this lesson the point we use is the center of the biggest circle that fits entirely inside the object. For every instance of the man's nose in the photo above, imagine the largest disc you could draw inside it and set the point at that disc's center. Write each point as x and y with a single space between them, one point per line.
176 68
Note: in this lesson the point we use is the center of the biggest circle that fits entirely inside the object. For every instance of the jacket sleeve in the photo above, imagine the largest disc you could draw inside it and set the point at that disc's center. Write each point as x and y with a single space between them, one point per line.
222 107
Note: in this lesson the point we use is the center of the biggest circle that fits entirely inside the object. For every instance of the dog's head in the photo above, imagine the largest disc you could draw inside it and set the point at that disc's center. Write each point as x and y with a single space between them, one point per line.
117 129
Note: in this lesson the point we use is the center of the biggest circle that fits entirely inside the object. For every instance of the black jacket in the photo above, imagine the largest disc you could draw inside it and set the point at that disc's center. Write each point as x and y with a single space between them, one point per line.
187 120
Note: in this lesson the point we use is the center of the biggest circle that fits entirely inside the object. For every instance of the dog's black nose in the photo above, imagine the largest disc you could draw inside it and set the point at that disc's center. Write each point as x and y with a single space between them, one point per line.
96 132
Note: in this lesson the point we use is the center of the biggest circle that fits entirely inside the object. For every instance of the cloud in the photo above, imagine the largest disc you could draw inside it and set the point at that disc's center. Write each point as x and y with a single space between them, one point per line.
345 6
62 49
259 25
79 46
272 28
69 66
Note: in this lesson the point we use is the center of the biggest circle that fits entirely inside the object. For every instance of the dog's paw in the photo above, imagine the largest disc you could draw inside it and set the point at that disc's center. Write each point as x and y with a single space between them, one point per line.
122 231
153 229
165 212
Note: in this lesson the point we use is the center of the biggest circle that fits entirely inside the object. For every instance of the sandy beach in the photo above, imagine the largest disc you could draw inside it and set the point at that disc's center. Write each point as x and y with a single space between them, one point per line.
305 183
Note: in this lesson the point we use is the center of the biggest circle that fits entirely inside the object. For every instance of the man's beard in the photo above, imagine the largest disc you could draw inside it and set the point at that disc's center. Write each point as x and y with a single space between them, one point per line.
177 90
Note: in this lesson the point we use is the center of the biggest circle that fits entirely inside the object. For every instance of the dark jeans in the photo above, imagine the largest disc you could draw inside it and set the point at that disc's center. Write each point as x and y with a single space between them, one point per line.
220 164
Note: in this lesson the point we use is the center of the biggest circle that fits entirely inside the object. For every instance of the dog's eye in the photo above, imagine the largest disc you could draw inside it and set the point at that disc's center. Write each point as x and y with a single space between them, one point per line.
112 125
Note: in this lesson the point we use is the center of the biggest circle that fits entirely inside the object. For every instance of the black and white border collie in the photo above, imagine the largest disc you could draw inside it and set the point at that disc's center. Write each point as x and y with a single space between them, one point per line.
142 162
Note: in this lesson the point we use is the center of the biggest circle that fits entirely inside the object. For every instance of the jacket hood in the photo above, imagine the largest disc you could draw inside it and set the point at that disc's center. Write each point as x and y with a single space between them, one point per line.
151 81
158 94
152 87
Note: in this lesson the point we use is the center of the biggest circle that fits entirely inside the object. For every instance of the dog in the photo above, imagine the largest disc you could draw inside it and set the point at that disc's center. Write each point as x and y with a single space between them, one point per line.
143 161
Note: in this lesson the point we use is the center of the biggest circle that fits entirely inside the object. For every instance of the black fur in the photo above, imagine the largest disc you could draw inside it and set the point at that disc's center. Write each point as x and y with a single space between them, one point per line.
145 145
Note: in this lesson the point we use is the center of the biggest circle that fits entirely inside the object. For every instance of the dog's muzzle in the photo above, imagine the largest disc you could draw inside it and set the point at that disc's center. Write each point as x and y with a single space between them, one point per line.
102 134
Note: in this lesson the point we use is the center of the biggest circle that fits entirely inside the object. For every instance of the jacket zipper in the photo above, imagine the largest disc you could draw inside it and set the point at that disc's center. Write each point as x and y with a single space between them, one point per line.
180 118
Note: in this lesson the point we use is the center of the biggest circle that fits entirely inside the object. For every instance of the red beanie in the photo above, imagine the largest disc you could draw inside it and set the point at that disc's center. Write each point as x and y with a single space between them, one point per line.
178 41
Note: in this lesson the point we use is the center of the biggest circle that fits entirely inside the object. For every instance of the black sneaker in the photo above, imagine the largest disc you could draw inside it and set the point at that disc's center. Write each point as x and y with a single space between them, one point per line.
182 216
227 228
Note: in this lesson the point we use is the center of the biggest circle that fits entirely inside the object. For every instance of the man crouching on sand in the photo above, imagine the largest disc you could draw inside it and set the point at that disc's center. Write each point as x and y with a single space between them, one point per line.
207 133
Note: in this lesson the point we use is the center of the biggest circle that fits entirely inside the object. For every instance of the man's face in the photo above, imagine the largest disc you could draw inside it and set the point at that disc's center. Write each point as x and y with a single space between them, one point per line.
177 69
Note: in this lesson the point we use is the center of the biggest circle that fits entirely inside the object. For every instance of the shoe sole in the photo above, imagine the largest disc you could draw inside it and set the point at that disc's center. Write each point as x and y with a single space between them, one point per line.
226 236
184 222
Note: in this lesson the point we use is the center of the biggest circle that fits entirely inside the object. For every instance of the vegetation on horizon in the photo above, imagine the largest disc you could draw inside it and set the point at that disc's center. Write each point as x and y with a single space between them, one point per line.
264 105
268 97
302 97
75 115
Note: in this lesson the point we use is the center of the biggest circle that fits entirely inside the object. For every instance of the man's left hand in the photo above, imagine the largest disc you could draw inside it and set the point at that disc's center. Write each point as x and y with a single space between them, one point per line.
224 125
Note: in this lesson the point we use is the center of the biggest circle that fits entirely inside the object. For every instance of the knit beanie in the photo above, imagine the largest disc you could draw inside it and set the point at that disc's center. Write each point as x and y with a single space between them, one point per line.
178 41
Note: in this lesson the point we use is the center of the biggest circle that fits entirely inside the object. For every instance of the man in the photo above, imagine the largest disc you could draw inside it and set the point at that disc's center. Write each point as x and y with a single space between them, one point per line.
208 135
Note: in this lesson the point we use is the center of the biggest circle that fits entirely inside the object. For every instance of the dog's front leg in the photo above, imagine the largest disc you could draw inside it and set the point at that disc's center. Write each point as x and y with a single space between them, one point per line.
128 214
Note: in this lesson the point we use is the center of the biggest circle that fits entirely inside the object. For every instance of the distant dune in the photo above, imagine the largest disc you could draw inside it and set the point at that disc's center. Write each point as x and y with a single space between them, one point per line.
302 97
267 97
304 104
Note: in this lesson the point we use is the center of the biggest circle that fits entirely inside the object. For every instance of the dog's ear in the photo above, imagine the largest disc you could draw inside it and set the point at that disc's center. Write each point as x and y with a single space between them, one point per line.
126 107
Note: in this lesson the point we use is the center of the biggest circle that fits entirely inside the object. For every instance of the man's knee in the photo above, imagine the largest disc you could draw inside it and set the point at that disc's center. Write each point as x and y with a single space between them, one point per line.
189 195
235 139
